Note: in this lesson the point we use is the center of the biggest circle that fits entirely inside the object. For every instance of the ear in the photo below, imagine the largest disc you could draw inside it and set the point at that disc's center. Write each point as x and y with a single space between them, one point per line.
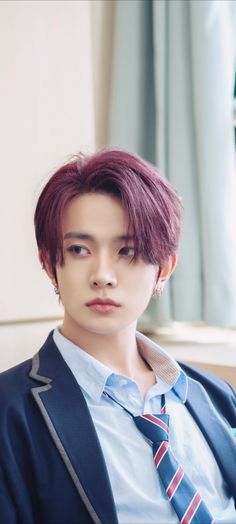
167 269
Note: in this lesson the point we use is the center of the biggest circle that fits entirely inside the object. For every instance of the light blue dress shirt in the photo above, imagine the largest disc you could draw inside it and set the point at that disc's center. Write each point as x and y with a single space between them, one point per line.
138 493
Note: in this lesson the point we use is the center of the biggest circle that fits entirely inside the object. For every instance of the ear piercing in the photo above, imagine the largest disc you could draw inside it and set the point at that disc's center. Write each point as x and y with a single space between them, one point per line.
157 292
56 290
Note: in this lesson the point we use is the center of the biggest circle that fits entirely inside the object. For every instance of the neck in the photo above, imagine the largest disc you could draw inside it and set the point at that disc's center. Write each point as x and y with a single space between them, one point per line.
118 350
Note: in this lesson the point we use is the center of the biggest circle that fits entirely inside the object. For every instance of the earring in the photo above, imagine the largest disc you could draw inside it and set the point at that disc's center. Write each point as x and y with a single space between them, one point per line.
56 290
157 292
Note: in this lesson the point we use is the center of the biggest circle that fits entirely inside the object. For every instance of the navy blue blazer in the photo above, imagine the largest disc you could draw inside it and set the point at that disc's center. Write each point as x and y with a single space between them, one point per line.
52 469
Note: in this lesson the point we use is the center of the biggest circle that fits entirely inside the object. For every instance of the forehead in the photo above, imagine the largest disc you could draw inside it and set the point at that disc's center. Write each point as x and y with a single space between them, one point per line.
95 214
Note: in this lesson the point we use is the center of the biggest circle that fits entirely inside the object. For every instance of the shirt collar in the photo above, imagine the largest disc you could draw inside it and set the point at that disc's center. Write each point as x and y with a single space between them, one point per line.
164 365
92 375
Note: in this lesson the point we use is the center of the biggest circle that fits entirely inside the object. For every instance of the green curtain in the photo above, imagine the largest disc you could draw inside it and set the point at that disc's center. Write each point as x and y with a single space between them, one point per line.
172 92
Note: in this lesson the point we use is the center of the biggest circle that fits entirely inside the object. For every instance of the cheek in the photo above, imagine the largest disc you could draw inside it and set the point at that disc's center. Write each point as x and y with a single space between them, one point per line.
67 281
142 283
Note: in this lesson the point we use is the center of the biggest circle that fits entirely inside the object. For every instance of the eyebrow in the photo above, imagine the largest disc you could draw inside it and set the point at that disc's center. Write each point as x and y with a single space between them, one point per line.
86 236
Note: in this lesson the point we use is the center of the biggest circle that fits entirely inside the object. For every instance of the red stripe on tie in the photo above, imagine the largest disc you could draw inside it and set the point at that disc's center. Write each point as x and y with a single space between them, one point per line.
157 421
163 409
170 491
192 508
161 452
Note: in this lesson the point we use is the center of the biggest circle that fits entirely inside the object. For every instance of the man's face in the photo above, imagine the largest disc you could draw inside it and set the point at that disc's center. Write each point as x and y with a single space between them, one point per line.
98 265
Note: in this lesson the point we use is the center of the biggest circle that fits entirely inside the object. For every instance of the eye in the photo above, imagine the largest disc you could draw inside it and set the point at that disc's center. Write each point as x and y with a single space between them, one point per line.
78 250
127 251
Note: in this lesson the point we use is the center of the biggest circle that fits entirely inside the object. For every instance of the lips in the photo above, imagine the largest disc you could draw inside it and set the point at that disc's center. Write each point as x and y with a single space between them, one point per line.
103 302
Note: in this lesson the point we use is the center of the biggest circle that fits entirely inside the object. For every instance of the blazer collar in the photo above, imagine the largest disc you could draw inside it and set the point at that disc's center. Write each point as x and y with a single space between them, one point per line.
216 432
68 419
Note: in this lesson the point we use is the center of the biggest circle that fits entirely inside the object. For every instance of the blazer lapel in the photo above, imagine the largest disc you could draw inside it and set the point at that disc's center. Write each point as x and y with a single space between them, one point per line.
69 422
216 433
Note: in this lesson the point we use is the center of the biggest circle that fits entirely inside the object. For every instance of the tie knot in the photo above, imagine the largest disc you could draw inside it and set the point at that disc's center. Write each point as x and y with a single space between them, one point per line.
154 427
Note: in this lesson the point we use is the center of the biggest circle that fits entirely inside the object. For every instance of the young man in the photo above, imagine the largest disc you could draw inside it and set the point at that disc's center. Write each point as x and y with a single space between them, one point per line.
77 421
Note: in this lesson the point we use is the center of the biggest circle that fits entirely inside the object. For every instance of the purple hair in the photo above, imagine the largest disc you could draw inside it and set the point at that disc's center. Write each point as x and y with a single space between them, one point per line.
152 205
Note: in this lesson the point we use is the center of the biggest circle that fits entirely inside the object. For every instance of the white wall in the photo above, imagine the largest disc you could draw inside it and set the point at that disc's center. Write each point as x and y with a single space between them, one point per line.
47 114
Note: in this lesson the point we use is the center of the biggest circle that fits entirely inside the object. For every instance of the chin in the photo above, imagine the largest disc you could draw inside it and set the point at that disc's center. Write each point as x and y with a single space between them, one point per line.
103 331
100 329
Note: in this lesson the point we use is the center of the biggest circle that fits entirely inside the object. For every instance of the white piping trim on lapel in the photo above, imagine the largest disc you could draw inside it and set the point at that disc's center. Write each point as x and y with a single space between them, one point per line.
34 371
36 394
62 451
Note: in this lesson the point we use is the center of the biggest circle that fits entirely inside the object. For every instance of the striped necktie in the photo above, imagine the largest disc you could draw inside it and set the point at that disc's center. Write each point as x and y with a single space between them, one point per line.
180 491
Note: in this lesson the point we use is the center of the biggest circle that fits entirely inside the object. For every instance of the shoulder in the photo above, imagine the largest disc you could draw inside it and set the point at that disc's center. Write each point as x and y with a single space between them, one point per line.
17 381
14 382
221 393
207 378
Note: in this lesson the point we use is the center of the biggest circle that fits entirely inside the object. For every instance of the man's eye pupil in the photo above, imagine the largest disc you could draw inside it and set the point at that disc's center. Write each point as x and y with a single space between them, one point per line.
126 250
75 249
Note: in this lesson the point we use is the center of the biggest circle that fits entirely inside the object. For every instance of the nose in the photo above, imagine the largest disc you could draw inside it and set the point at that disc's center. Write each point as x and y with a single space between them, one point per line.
102 274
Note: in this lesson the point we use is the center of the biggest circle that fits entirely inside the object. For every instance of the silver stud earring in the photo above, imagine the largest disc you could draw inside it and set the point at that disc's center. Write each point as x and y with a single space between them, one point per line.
56 290
157 292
